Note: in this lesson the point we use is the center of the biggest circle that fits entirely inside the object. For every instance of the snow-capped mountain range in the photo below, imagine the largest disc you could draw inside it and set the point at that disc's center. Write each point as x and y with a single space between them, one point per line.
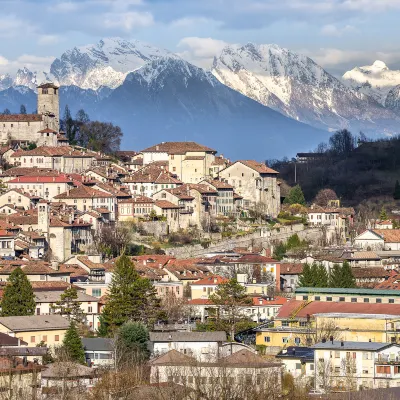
377 81
146 86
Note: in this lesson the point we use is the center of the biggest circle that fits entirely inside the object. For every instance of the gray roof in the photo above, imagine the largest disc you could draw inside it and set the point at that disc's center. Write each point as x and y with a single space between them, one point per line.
97 344
359 291
61 370
366 346
188 336
51 296
34 323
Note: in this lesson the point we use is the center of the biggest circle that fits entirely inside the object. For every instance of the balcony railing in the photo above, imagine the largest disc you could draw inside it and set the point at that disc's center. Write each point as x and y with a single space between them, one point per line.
386 359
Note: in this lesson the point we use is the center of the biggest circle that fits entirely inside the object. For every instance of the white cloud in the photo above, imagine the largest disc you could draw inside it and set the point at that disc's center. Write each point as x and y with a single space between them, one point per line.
128 21
333 30
189 22
45 40
11 26
64 7
30 61
200 51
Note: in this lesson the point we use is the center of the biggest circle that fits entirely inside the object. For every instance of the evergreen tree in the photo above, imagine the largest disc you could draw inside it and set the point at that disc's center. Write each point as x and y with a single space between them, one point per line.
279 251
383 215
18 298
22 109
131 343
6 111
335 279
69 306
295 196
396 193
322 277
348 280
72 344
69 125
294 241
230 298
306 279
130 297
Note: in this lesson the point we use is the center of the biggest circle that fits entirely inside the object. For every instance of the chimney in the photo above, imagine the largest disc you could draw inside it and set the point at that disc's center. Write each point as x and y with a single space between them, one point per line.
331 339
294 351
323 340
342 343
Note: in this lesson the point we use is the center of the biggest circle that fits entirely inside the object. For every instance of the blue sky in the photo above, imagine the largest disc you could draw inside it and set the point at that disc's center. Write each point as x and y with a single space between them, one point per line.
338 34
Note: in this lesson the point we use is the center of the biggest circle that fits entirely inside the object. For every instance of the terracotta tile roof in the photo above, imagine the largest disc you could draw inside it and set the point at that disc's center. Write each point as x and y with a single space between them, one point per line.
177 148
153 259
4 149
211 280
220 161
365 255
102 210
370 272
41 179
20 117
258 166
200 302
83 192
88 263
48 85
165 204
137 200
23 171
152 174
245 358
256 259
319 307
393 282
291 269
47 130
389 235
49 151
19 219
277 301
112 190
237 196
50 285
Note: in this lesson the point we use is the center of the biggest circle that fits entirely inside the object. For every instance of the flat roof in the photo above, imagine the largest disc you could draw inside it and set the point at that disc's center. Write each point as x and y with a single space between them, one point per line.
359 291
337 344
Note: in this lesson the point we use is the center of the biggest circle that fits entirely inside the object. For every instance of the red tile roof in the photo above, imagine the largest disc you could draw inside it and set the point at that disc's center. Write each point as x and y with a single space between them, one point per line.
177 148
165 204
291 269
258 166
319 307
256 259
41 179
277 301
389 235
211 280
20 117
83 192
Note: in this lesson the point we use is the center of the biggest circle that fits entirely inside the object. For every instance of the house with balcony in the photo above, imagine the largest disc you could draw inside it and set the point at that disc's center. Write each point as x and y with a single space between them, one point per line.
354 365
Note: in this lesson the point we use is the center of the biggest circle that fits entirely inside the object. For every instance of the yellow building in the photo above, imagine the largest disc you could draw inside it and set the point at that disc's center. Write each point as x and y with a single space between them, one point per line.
36 328
347 314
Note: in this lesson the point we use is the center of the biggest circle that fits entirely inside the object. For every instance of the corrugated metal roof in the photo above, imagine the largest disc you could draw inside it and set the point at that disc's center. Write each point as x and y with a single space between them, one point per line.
371 346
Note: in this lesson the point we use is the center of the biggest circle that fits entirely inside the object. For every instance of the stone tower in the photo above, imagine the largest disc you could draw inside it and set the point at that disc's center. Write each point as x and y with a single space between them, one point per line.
49 105
43 216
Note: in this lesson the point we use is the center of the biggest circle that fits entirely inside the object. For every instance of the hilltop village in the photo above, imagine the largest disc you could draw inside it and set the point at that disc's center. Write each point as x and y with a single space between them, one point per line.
175 271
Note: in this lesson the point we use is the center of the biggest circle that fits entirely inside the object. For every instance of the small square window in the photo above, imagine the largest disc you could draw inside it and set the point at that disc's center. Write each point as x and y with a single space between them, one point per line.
317 298
342 299
305 297
354 299
366 300
391 301
378 300
329 299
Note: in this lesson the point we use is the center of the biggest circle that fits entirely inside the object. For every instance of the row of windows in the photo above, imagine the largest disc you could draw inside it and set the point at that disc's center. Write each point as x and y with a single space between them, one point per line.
43 338
352 299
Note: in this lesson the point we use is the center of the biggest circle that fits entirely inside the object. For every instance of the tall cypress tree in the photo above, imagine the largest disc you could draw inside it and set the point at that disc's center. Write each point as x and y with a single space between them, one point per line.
383 214
348 280
73 346
322 277
18 297
130 298
306 278
335 279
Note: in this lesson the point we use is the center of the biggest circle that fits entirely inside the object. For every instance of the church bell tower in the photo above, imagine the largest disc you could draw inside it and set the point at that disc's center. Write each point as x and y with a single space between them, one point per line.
49 105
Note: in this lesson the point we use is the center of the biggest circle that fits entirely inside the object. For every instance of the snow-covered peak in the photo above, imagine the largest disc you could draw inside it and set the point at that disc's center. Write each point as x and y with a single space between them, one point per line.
379 65
6 81
105 63
156 72
375 80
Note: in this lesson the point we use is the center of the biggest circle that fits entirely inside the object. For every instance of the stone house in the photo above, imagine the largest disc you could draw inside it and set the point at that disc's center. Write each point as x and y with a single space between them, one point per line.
46 187
134 208
84 198
189 161
256 183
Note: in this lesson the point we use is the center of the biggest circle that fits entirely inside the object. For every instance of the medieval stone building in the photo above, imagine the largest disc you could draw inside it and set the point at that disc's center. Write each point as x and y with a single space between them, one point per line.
41 128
